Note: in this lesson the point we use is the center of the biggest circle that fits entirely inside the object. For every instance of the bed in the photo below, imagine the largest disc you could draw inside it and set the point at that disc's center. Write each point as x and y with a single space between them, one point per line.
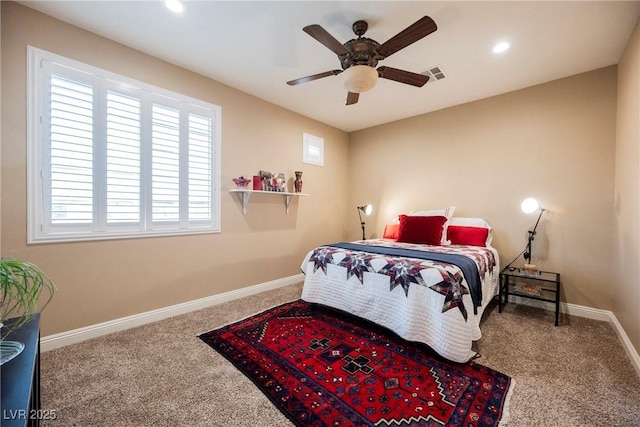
432 291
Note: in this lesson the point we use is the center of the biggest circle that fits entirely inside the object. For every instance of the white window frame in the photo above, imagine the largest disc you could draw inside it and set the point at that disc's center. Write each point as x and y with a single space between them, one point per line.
39 229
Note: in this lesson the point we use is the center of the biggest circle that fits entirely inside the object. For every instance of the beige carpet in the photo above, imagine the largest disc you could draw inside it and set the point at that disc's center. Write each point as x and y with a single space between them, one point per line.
161 374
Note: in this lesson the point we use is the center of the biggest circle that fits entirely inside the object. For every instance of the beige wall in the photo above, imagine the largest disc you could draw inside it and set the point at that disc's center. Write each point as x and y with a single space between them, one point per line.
104 280
626 258
554 142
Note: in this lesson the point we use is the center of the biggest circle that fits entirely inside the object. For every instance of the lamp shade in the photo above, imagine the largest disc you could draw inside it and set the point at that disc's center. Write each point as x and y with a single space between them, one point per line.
360 78
529 205
366 209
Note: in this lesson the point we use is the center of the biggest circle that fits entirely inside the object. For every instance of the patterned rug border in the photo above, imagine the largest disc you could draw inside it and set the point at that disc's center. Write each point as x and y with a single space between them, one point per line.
505 410
256 313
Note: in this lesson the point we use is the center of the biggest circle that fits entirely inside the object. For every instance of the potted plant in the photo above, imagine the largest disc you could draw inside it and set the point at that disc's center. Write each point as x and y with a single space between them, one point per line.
21 286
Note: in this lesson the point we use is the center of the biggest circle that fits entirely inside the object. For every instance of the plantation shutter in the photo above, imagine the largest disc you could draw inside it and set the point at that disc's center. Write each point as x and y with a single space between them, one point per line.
165 164
115 157
200 160
123 168
70 165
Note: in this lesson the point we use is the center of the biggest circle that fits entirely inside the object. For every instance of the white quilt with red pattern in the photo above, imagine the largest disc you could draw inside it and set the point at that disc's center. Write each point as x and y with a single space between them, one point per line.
420 300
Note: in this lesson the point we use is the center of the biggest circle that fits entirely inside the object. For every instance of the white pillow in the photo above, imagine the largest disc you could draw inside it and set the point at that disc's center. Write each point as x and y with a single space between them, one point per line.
473 222
446 212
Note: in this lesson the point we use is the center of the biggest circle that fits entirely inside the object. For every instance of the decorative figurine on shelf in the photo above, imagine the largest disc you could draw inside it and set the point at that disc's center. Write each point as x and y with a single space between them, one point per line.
241 181
280 183
298 182
266 180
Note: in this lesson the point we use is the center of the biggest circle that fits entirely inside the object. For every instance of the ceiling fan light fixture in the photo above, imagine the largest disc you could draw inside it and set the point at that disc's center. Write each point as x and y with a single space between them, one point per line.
360 78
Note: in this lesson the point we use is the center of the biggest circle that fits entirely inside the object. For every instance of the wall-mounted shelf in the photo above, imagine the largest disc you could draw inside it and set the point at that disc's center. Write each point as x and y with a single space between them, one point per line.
244 194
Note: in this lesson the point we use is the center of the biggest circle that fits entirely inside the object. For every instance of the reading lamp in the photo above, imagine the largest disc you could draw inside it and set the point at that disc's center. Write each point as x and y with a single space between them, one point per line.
367 211
528 206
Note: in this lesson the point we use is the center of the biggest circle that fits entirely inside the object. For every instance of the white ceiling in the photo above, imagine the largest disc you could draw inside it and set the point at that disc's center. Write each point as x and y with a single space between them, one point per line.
258 46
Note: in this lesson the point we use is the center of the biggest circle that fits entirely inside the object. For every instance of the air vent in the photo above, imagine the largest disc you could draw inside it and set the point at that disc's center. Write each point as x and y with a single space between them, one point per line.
434 74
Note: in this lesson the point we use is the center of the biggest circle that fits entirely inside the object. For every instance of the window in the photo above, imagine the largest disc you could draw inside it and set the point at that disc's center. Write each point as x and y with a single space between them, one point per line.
312 149
111 157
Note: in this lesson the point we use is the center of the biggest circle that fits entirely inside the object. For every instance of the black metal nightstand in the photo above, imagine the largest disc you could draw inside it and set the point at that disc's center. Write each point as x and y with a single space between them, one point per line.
538 285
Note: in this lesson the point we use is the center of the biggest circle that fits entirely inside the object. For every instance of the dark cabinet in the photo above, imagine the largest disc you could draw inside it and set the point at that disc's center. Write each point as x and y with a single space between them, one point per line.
20 378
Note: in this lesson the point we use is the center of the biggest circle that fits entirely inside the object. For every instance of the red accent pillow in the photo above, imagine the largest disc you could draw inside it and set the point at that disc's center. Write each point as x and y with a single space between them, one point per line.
421 229
464 235
391 231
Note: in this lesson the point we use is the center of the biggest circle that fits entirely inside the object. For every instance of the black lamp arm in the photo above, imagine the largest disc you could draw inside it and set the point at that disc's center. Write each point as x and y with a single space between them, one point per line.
361 208
527 252
535 227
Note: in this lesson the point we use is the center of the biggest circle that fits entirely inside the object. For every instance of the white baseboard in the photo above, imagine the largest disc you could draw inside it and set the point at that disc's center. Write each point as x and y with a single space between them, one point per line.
589 313
62 339
626 343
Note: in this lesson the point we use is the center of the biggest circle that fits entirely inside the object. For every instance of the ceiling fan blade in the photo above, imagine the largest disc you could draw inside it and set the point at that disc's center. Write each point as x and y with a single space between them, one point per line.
313 77
414 32
352 98
320 34
407 77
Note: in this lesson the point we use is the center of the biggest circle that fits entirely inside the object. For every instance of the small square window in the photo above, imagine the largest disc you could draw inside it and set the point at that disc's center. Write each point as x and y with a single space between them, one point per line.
312 149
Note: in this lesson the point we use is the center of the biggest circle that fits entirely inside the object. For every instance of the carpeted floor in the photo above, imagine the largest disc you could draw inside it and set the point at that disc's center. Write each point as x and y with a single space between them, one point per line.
162 374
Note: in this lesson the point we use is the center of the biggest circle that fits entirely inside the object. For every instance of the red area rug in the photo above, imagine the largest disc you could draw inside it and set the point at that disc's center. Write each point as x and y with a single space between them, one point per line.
323 368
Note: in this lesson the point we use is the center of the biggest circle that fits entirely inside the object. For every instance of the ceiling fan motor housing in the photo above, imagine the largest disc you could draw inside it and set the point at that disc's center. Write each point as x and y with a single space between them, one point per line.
361 52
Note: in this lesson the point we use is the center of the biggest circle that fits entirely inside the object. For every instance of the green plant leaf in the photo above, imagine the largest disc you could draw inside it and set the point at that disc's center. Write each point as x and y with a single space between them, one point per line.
21 287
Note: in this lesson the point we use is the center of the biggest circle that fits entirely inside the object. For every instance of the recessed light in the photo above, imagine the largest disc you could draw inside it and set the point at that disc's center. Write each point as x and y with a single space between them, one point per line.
501 47
174 5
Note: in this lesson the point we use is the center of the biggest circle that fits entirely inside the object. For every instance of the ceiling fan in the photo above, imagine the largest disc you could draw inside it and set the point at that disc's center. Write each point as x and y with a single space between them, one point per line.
359 57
